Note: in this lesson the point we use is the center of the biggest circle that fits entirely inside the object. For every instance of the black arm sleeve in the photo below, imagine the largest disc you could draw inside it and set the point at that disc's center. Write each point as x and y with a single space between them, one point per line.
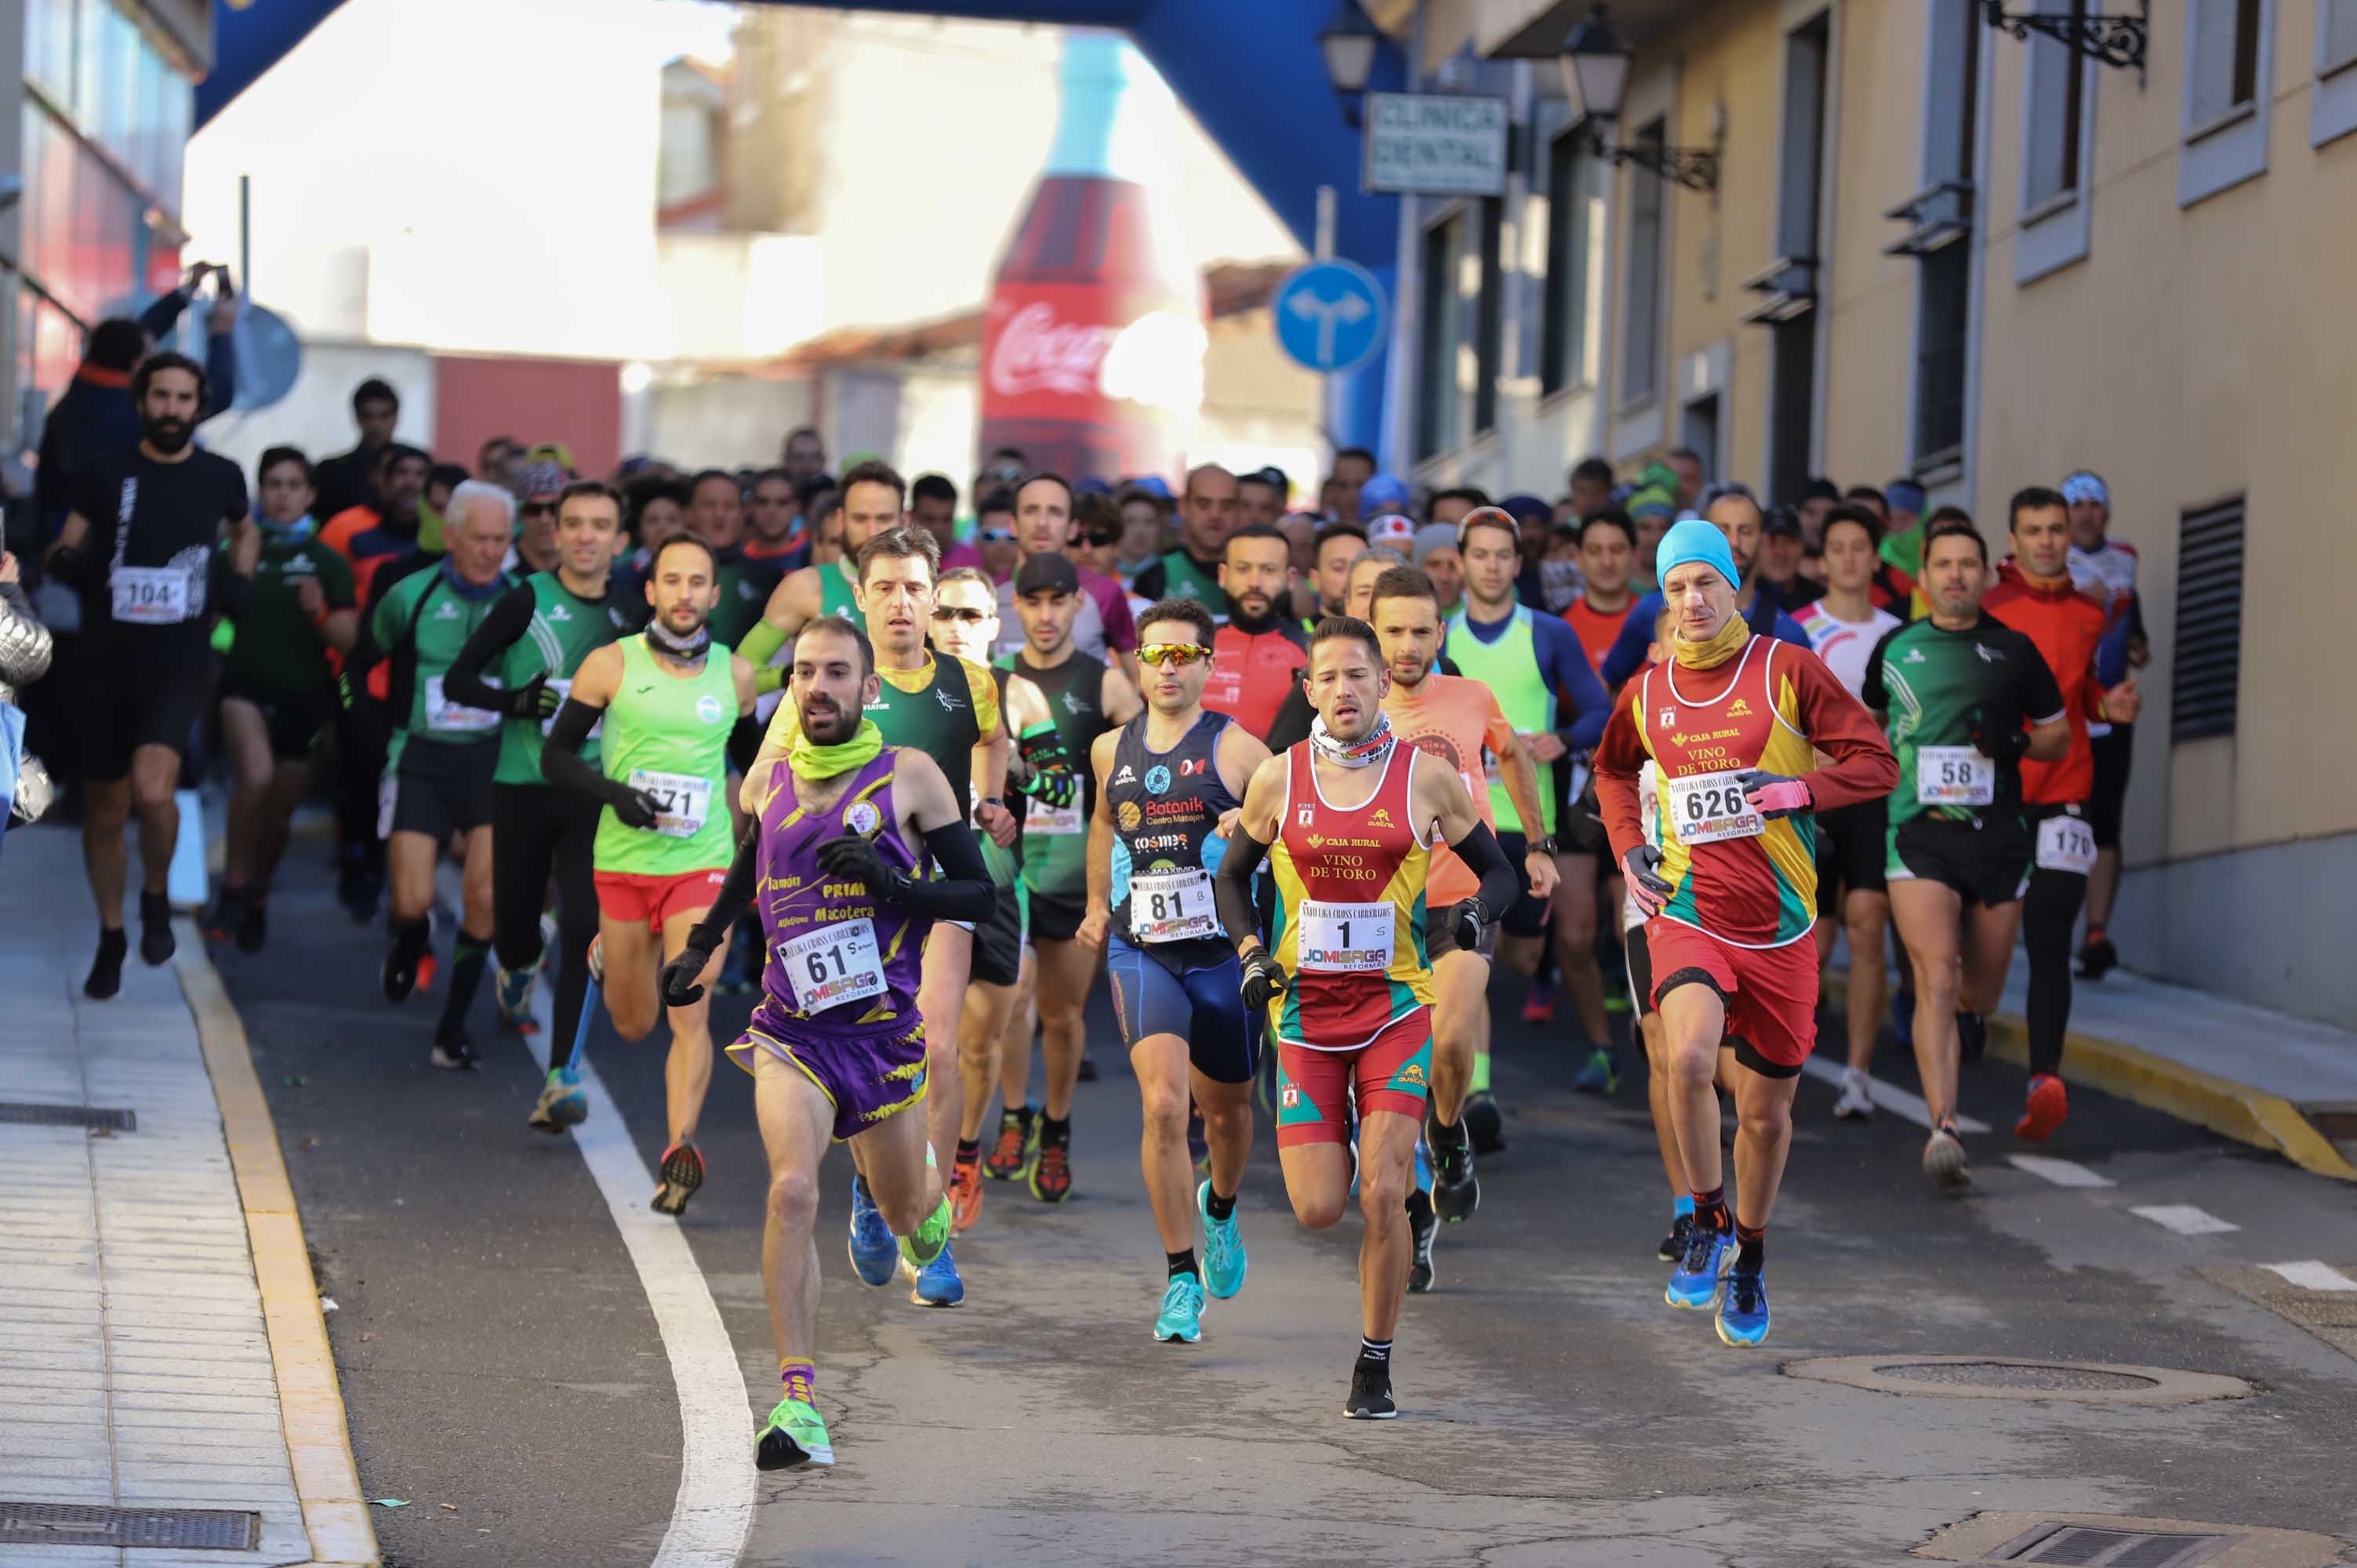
964 891
1485 857
232 591
736 895
508 620
560 754
1231 889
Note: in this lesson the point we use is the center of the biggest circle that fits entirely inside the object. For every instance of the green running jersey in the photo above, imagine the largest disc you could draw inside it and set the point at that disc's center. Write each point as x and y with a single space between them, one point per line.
421 624
1510 668
669 734
836 598
1931 683
744 594
1055 843
564 630
278 651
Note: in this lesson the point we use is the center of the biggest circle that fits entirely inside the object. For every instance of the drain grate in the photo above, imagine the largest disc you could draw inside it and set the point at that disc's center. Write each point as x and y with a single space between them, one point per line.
2088 1547
2028 1376
71 1524
68 1116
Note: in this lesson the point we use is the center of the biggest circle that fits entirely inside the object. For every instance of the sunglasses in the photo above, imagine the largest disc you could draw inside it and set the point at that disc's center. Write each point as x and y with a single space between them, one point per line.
1179 653
1104 541
540 509
971 617
994 535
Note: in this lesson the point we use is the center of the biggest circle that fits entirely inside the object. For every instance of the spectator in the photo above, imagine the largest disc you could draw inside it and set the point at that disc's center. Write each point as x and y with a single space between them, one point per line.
1818 496
933 506
347 478
1353 466
804 455
24 658
1261 496
1686 463
1591 487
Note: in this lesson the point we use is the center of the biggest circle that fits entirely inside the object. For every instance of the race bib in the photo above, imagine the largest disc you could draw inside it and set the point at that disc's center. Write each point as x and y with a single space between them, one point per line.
1347 938
1954 776
150 596
564 689
683 800
1171 905
1041 819
454 717
2066 844
1711 806
836 963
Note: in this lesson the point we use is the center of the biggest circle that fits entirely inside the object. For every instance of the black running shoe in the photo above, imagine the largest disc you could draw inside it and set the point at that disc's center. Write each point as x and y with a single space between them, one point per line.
1673 1245
1422 1225
1455 1194
1371 1392
455 1052
2098 958
1971 1036
1088 1068
106 969
399 975
255 929
682 1173
156 944
221 921
1482 1118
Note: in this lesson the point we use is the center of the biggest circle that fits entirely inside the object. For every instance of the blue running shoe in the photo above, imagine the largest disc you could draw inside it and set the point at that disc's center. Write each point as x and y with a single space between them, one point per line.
1223 1249
1181 1321
1601 1075
1743 1316
873 1252
1693 1284
937 1283
562 1104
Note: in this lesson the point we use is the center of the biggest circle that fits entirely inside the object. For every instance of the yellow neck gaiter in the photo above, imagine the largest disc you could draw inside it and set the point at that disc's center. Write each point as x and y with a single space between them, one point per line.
1710 655
811 760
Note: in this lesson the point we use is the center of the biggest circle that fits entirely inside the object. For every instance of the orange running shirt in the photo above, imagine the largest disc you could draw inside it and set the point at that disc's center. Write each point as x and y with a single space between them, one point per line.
1452 720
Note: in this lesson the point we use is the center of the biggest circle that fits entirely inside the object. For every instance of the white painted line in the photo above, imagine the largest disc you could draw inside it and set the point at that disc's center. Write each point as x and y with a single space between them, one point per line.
2310 1274
2061 1172
1890 1096
2185 1220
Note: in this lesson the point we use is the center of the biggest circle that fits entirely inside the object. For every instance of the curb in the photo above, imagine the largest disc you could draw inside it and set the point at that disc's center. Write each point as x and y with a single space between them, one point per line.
310 1400
2233 1109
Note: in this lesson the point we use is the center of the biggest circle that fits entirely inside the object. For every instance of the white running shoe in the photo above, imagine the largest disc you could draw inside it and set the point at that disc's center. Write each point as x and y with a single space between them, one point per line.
1855 1104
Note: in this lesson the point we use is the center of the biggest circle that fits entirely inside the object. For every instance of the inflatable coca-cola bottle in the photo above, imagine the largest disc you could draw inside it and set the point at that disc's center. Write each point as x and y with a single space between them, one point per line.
1093 354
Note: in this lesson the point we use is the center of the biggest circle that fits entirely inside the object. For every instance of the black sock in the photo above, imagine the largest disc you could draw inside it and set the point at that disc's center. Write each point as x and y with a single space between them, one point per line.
466 956
1052 1131
1750 1247
1183 1264
1219 1207
1710 1209
969 1151
410 939
111 938
1379 1351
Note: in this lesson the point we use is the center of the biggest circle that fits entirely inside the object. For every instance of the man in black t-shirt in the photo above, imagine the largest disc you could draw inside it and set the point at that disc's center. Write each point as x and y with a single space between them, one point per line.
142 544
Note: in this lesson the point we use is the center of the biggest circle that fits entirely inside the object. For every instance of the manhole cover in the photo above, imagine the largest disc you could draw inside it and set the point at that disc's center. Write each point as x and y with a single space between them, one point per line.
2117 1541
68 1116
2093 1548
2010 1376
70 1524
2035 1376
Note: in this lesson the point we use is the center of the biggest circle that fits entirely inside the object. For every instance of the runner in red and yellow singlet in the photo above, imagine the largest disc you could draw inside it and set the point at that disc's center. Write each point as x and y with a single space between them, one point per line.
1349 822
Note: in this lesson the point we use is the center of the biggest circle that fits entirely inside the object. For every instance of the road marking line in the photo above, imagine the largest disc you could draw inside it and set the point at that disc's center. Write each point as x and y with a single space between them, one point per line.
2309 1274
2185 1220
1889 1096
2061 1172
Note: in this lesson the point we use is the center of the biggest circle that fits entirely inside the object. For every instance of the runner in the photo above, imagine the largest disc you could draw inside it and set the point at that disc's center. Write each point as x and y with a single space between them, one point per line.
1207 516
1957 688
140 542
1731 889
871 500
2105 570
837 1046
1532 663
278 689
1352 914
1084 699
1101 626
666 699
1333 550
441 757
539 633
1845 628
1258 659
1607 546
947 708
1455 721
2035 596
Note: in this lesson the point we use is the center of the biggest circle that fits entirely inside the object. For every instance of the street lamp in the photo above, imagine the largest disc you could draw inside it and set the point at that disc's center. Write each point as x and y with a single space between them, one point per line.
1349 43
1596 63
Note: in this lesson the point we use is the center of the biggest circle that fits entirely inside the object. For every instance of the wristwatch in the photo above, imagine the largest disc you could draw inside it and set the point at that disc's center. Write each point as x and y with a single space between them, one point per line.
1543 845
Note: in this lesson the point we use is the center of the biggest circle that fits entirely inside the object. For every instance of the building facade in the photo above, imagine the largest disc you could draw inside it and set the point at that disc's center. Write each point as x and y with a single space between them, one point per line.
1939 251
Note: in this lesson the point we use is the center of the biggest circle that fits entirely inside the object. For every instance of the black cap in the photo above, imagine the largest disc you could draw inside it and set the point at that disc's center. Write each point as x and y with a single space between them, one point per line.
1782 524
1047 574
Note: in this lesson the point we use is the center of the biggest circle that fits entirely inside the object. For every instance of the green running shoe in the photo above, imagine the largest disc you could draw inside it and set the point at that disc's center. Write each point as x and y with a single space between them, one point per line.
1223 1248
930 1237
1181 1321
795 1437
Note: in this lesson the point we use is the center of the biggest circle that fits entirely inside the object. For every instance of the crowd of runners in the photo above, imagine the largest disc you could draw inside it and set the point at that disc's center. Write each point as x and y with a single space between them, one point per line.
1290 781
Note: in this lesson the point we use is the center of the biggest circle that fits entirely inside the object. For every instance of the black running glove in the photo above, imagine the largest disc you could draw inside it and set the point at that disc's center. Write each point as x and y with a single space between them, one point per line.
1265 979
1467 920
633 808
1649 889
532 700
1995 738
679 976
857 859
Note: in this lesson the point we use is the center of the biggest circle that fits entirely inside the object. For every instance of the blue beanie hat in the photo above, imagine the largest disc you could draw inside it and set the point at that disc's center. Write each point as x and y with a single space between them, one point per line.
1691 540
1383 493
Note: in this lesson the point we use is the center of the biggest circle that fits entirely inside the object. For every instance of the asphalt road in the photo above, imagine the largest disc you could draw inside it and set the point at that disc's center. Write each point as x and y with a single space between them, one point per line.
499 1355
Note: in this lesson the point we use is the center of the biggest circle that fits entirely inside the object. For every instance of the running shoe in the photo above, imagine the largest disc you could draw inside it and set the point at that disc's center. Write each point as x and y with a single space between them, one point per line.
228 913
1019 1142
1455 1192
255 929
1371 1392
427 966
1693 1284
1223 1248
1854 1104
512 996
562 1104
155 943
1673 1245
106 970
1538 1008
594 961
1944 1160
795 1437
1181 1319
1481 1118
922 1245
682 1173
1051 1173
965 1192
1743 1316
1088 1068
1423 1224
2097 958
2050 1102
1971 1036
455 1052
1601 1075
935 1283
1902 1018
400 979
873 1252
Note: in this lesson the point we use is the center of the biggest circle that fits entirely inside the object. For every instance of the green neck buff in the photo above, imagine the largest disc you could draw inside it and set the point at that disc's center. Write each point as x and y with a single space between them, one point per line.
811 760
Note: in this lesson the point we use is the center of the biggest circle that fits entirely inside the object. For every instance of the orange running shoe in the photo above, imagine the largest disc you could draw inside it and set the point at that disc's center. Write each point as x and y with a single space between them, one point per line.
965 1194
2050 1103
1051 1174
1538 1008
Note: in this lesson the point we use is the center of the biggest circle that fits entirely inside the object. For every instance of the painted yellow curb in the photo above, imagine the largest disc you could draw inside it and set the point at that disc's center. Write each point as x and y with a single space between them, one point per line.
2233 1109
310 1402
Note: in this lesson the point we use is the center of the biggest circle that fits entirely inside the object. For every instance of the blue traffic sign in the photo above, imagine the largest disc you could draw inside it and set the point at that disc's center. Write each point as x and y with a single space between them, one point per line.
1331 317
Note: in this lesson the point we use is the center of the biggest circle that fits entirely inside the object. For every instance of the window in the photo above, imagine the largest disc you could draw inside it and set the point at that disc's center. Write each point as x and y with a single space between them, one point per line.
1942 316
2058 103
2207 673
2332 104
2221 58
1461 326
1640 351
1571 328
2336 35
1799 191
2227 106
1487 283
1940 240
1436 427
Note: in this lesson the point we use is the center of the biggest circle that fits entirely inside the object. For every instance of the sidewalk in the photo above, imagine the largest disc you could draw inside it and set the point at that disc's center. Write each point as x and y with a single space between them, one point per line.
144 1363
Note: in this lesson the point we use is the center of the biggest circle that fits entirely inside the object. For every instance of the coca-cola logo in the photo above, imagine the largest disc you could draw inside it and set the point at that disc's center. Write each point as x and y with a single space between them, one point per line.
1156 359
1037 352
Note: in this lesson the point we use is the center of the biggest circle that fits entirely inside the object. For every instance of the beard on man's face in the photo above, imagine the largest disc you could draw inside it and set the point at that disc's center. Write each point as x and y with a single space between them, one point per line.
167 433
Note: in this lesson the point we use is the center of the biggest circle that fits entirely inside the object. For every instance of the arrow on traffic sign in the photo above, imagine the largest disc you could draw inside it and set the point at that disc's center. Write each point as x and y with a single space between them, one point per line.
1328 316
